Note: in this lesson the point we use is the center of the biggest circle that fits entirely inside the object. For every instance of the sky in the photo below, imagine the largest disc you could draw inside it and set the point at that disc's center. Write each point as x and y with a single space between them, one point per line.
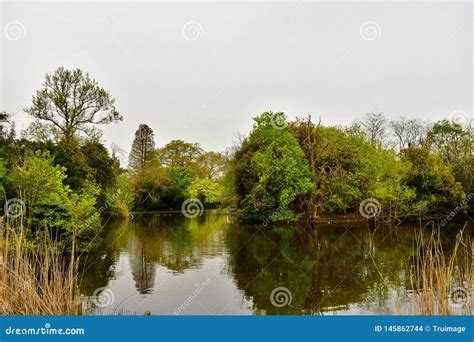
201 71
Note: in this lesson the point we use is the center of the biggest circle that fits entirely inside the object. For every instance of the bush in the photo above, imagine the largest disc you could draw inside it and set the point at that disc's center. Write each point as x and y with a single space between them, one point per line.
270 170
208 191
51 205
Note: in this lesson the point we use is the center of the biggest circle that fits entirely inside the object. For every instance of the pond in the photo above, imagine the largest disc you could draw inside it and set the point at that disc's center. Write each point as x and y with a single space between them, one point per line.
167 264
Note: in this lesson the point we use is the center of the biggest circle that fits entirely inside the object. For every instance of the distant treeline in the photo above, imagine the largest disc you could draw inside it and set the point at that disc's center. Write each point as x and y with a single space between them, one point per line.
64 181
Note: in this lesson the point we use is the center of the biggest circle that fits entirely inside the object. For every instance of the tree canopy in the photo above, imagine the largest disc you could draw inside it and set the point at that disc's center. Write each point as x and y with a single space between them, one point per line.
70 102
282 171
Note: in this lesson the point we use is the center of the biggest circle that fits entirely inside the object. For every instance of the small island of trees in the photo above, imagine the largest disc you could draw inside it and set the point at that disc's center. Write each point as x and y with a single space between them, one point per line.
59 180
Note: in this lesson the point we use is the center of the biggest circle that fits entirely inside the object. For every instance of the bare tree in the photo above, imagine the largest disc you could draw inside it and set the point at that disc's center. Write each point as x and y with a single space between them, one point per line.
409 132
374 126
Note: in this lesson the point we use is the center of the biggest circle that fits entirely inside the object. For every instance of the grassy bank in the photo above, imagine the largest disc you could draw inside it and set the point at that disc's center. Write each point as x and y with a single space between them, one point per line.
35 282
441 283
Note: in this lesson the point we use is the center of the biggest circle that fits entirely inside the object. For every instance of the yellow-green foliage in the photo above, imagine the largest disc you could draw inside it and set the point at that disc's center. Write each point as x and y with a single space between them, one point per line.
206 190
53 206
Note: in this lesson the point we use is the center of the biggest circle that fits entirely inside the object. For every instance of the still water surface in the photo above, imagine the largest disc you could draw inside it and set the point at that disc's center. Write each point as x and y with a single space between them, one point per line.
167 264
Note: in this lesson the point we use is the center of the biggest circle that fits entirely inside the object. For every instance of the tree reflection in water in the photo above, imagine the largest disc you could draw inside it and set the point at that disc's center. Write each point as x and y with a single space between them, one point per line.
338 269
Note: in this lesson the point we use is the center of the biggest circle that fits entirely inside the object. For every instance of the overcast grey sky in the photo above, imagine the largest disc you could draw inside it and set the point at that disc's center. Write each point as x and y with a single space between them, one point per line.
201 71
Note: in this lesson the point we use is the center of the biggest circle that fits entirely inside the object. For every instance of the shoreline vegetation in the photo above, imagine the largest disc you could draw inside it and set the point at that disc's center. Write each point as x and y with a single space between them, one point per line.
61 184
436 276
45 281
35 282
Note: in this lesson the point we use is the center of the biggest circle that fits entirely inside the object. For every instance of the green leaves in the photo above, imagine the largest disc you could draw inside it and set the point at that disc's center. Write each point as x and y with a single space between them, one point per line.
52 205
436 188
71 102
328 169
271 170
208 191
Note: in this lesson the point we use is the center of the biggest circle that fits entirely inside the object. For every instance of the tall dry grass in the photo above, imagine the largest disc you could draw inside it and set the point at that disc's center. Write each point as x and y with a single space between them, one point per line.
37 281
441 281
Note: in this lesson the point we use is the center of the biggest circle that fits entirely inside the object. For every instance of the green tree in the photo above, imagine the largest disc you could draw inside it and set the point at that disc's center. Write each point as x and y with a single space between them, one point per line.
388 179
40 183
121 197
337 162
72 103
178 153
270 170
455 145
88 161
3 179
142 148
211 165
437 191
100 164
179 178
208 191
148 187
51 205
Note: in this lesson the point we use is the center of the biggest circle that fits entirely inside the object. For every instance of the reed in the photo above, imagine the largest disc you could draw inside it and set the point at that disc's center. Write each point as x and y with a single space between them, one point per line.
441 281
35 281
